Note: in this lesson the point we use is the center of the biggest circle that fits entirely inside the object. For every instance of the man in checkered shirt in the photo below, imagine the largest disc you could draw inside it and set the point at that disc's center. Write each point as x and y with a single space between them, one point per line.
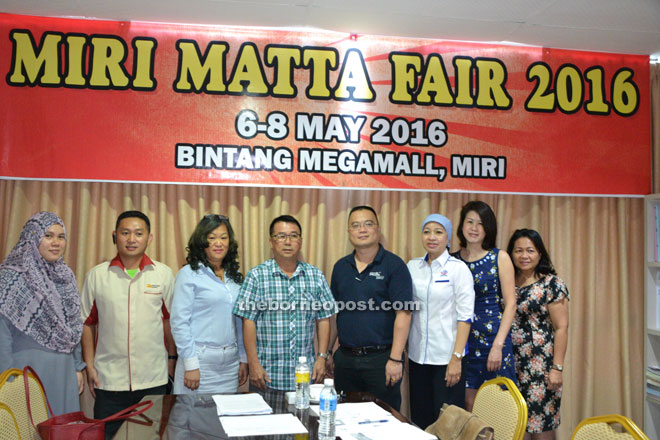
281 301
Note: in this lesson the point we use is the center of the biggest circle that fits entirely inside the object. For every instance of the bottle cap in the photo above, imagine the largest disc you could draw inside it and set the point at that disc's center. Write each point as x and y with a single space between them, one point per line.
302 359
329 382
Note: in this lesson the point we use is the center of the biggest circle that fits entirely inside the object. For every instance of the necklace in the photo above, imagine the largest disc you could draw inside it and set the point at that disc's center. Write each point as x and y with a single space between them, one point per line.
220 273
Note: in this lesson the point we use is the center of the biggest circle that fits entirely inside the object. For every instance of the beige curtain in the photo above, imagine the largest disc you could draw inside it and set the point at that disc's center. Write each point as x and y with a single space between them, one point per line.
595 243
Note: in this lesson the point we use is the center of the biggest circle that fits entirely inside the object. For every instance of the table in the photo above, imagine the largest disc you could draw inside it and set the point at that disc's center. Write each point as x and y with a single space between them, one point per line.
194 417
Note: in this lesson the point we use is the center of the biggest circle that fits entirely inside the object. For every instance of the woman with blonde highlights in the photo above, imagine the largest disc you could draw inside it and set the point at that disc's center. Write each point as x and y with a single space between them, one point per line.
208 336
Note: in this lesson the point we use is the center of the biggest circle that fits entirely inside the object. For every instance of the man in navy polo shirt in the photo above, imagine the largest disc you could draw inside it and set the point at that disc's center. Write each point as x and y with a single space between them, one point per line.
373 289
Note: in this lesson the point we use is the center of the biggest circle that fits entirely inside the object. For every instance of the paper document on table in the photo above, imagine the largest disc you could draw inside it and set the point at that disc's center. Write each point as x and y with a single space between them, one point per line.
394 430
357 413
241 404
362 412
275 424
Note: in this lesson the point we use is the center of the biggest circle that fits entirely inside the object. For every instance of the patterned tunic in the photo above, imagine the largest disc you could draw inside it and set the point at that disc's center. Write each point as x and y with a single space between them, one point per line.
533 338
488 308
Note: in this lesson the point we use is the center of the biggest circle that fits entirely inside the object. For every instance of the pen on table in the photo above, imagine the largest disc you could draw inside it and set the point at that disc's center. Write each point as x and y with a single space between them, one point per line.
364 422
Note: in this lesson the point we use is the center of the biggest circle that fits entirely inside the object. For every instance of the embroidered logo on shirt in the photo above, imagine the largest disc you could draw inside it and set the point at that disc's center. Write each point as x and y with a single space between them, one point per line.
376 275
153 289
443 273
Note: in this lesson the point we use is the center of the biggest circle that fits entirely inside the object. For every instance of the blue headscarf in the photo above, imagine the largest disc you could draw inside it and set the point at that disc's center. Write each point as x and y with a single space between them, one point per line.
442 220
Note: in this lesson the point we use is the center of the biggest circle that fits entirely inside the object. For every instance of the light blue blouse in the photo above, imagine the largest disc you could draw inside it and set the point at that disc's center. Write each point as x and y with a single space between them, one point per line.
201 314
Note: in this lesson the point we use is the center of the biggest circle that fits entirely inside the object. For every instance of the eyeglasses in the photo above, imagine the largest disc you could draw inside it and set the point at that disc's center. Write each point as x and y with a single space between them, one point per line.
281 237
357 225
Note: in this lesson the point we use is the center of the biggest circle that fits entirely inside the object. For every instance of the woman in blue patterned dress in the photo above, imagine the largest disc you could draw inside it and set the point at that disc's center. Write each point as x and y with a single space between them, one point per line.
539 332
490 352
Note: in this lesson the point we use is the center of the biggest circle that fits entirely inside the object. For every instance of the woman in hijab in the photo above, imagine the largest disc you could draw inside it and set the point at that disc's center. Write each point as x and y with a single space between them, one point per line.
444 288
40 323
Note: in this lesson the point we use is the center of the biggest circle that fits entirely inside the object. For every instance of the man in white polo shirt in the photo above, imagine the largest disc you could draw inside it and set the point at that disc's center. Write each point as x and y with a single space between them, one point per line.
126 300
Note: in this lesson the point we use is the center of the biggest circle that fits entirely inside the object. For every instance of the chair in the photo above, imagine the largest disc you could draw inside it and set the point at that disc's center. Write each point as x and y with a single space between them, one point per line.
600 428
8 425
12 395
499 404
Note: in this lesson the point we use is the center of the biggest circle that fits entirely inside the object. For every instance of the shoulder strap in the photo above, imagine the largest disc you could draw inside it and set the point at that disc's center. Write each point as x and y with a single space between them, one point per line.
26 380
128 412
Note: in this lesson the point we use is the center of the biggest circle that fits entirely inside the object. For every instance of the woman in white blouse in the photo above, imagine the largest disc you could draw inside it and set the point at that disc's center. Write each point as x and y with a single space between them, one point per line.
444 288
208 336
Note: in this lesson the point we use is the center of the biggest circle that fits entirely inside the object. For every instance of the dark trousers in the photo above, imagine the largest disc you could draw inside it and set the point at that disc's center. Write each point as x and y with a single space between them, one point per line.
108 403
366 373
429 391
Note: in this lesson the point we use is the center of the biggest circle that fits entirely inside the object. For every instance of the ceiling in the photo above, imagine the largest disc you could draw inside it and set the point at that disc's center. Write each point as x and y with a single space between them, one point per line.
621 26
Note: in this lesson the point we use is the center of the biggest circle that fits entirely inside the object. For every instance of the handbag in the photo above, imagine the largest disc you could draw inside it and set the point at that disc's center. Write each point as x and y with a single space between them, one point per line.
76 425
455 423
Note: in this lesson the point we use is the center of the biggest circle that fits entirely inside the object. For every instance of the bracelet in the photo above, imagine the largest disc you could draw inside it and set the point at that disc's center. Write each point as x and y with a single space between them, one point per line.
396 360
173 357
557 367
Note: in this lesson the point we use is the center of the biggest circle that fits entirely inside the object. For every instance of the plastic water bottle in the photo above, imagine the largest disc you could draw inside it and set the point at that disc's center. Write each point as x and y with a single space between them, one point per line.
302 383
303 416
328 409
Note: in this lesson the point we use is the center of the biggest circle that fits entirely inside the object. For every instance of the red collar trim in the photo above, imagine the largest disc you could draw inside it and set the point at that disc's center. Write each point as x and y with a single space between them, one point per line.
146 261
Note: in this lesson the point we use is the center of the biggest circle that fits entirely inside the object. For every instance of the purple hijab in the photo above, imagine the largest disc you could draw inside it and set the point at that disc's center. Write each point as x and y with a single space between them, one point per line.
39 298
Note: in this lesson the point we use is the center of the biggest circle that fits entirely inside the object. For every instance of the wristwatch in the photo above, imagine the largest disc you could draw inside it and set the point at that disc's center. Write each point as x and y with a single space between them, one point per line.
458 355
323 355
557 367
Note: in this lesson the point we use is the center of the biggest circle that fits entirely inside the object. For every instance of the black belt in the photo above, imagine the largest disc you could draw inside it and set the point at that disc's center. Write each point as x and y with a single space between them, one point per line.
361 351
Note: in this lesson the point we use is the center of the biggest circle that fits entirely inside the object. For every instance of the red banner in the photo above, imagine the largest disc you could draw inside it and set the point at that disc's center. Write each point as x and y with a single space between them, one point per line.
145 102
